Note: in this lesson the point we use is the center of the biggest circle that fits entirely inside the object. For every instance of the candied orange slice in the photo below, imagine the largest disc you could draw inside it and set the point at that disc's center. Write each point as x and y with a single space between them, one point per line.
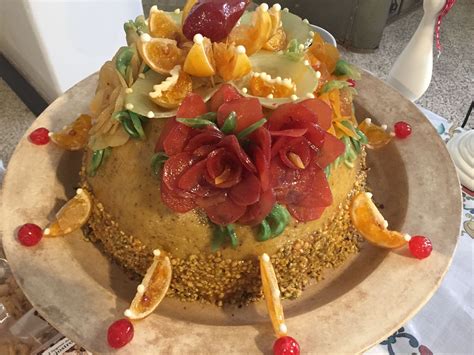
255 35
231 62
325 52
263 85
370 223
75 135
160 54
161 25
276 42
272 293
200 60
376 135
153 288
72 216
173 90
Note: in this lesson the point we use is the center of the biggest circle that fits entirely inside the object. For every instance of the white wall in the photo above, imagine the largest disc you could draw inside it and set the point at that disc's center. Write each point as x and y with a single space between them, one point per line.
56 43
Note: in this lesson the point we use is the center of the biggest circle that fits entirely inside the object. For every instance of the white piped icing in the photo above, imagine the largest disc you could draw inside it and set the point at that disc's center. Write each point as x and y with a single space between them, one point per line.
384 127
79 191
310 95
177 11
265 257
245 90
46 231
385 223
150 114
311 33
141 76
128 313
368 120
305 21
278 80
156 252
141 288
369 194
318 74
270 96
294 97
392 134
128 90
129 106
283 328
198 38
166 84
154 8
50 134
306 62
407 237
145 37
301 46
286 9
276 7
240 50
264 7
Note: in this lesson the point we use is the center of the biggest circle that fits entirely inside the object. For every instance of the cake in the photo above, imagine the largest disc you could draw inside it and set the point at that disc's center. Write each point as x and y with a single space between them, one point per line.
214 236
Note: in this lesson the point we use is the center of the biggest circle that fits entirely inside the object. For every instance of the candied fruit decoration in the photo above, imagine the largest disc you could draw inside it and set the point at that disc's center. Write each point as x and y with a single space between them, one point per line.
161 25
325 52
120 333
213 19
277 40
172 91
370 223
402 129
255 35
231 62
29 234
286 346
200 60
153 288
376 135
263 85
72 216
39 136
74 136
420 246
160 54
272 294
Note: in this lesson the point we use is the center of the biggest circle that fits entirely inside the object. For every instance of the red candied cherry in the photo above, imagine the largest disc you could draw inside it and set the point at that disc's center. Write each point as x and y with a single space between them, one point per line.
402 129
420 246
120 333
39 136
29 234
286 346
351 82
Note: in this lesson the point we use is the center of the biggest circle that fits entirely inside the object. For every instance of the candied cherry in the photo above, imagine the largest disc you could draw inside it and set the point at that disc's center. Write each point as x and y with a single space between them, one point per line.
351 82
120 333
402 129
29 234
286 346
39 136
420 246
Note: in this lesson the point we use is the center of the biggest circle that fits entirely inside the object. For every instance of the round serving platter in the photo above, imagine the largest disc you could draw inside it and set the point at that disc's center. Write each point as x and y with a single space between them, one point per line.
80 292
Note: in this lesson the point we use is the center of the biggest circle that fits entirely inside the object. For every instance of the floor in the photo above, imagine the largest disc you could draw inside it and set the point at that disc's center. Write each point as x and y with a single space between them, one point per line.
450 93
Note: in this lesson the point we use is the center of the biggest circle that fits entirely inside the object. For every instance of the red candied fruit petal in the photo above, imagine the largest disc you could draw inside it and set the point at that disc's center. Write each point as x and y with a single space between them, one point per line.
120 333
213 19
204 138
174 167
286 346
193 181
39 136
192 106
299 146
295 132
232 143
402 129
286 115
225 93
318 191
258 211
225 212
351 82
175 202
215 198
248 110
176 139
167 128
331 149
217 162
322 111
263 167
304 214
420 246
247 191
29 234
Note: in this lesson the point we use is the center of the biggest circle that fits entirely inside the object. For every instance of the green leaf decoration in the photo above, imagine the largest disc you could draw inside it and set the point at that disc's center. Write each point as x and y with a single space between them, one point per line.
123 59
222 234
294 52
343 68
334 84
157 162
247 131
363 138
265 232
230 123
137 124
131 123
98 157
274 224
208 119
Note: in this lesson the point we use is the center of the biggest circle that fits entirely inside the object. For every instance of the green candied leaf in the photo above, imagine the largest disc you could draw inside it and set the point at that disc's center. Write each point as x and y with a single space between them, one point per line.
146 68
346 69
137 124
327 171
195 122
334 84
210 116
349 154
218 238
98 157
157 162
356 145
125 118
363 138
265 231
123 59
245 132
230 123
230 231
337 162
349 164
279 217
140 24
294 52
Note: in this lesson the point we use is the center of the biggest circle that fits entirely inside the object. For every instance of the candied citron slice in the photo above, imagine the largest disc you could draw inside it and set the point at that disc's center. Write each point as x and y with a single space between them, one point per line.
153 288
200 60
161 25
272 293
160 54
263 85
171 91
277 40
75 135
377 136
370 223
72 216
231 62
